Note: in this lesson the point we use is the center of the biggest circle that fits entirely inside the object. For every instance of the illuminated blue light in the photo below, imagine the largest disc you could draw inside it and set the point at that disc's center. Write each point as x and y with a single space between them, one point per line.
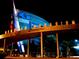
32 17
22 15
76 40
22 47
23 20
28 17
21 42
77 44
76 47
18 44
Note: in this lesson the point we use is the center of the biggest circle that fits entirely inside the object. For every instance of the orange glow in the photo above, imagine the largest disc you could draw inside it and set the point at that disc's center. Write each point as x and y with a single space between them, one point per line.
61 23
8 31
15 30
45 25
73 22
11 30
66 22
50 24
1 36
5 32
1 49
34 26
56 23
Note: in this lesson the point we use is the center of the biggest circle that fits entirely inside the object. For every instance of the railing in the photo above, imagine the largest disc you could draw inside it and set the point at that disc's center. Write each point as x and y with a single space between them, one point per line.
35 29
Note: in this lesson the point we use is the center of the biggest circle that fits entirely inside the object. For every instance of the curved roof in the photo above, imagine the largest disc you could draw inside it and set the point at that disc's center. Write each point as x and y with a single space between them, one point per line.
26 18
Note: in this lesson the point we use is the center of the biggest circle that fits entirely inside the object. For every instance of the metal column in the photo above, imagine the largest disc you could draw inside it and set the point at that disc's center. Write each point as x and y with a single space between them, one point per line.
41 40
57 44
4 44
28 48
11 49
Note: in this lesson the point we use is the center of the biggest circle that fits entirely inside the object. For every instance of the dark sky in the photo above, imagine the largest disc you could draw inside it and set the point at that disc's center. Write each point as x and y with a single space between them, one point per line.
50 10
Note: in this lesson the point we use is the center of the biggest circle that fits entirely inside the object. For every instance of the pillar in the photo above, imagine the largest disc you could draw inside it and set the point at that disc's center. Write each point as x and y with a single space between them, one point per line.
41 40
4 44
11 49
28 48
57 45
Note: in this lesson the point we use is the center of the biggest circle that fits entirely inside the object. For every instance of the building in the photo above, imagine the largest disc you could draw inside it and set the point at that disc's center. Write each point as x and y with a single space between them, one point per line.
27 20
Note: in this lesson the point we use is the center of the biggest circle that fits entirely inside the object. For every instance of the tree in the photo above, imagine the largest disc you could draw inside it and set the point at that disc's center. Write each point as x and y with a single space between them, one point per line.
66 45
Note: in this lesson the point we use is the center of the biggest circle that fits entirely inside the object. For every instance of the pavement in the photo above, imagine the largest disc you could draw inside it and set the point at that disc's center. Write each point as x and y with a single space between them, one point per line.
9 57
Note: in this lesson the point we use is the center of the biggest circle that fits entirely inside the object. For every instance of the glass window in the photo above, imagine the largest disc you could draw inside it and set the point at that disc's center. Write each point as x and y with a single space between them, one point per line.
28 17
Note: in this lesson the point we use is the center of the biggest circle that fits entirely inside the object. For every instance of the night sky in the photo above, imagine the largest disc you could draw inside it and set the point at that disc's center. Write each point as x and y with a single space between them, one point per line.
50 10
